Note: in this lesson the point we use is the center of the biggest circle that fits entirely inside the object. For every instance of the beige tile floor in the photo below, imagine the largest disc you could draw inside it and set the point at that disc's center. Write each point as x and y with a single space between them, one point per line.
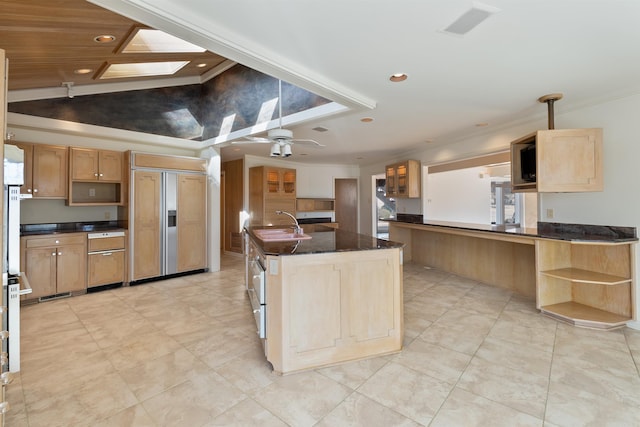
183 352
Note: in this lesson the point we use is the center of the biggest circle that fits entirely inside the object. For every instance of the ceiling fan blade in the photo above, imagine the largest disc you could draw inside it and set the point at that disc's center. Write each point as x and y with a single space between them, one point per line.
307 142
253 140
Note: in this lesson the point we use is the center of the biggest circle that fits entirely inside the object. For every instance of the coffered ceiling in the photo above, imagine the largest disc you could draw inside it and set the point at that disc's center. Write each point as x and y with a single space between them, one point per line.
49 42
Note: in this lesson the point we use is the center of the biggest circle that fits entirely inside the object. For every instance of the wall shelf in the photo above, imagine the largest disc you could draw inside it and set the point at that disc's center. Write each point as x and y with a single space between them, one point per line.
315 205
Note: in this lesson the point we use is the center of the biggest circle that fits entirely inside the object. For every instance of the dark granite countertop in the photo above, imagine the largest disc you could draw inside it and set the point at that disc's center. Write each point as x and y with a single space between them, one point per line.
323 240
69 227
545 230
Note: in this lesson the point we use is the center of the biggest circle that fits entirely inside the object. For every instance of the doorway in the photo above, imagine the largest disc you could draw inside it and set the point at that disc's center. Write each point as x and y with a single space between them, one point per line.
385 208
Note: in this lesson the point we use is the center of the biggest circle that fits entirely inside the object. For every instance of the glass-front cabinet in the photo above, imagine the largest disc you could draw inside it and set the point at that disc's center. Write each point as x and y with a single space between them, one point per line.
403 179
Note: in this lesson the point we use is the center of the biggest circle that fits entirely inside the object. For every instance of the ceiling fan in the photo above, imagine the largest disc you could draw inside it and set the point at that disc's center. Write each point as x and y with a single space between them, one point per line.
280 139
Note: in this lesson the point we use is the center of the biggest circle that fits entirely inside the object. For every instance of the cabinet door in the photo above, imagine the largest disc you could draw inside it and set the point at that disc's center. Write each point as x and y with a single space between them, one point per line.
569 160
390 176
40 268
403 183
192 222
105 268
146 224
84 164
27 188
71 268
272 181
110 166
288 179
49 171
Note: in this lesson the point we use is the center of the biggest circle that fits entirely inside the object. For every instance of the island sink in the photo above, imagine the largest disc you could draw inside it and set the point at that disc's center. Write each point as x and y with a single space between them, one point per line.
279 235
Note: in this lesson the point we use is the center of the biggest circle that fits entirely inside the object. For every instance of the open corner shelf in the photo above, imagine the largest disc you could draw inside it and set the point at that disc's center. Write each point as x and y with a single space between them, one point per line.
585 316
585 276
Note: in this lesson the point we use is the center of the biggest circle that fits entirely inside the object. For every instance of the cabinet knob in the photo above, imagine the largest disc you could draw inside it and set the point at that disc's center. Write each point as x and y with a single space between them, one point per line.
6 378
4 407
59 253
53 254
35 190
57 241
95 174
28 190
101 174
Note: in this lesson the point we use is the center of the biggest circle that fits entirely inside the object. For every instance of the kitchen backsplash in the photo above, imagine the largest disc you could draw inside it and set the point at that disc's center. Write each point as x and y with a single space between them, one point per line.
54 211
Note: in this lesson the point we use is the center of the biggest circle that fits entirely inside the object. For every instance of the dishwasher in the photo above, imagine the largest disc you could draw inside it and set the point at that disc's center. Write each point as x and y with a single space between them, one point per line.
106 259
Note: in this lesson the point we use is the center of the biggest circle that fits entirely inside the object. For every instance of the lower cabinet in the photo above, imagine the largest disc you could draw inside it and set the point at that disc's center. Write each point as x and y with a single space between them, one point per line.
55 264
106 258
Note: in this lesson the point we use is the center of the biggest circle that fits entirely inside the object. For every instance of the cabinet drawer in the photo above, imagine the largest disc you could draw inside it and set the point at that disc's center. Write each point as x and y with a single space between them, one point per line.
55 240
106 243
105 268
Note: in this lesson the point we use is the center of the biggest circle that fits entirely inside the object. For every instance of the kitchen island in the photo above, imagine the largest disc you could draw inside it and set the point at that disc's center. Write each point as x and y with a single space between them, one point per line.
331 297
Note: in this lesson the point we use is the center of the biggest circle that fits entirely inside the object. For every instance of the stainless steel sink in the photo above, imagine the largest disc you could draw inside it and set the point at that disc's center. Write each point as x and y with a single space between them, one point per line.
279 235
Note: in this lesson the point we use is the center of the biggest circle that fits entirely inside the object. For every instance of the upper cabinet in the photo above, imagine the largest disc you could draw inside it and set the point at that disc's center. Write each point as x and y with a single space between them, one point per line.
95 177
403 179
558 160
280 181
96 165
45 170
271 189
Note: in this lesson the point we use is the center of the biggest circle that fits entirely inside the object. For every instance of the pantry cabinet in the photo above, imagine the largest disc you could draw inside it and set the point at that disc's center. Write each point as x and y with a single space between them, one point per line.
403 179
55 264
45 170
558 160
271 189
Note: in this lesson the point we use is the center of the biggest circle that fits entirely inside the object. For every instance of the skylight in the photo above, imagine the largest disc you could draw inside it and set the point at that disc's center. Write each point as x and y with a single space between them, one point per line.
147 40
142 69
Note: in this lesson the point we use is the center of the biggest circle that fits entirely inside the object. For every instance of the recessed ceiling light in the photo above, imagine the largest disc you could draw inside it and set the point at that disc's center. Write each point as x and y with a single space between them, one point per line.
398 77
366 119
201 65
83 71
104 38
481 125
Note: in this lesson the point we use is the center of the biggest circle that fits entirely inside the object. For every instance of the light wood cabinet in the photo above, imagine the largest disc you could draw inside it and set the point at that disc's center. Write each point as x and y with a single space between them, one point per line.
96 165
146 199
45 170
558 160
324 309
315 205
586 284
271 189
106 261
403 179
55 264
192 222
96 177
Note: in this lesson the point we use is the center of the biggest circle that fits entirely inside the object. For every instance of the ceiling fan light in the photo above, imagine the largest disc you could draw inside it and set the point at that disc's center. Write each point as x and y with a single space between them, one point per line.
286 150
275 150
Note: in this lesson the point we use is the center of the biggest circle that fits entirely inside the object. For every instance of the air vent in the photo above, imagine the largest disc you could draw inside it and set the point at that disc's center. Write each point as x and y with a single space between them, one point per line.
320 129
471 19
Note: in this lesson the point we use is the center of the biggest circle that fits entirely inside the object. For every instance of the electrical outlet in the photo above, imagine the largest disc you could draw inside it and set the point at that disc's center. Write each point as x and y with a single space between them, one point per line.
549 213
92 192
107 215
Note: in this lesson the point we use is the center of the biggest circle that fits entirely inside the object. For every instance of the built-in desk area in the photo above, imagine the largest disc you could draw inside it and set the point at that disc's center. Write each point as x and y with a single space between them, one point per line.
580 274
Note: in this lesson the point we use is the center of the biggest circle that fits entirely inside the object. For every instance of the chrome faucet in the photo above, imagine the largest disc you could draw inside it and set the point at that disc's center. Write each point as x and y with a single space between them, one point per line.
297 229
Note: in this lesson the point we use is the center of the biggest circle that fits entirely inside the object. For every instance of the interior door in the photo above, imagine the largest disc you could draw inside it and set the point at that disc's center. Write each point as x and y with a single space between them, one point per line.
346 206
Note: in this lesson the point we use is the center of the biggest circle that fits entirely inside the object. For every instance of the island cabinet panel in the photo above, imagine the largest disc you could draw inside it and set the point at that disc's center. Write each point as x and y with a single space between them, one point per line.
333 307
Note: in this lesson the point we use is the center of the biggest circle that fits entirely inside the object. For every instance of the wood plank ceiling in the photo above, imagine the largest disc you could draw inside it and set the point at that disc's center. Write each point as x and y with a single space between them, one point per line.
46 41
